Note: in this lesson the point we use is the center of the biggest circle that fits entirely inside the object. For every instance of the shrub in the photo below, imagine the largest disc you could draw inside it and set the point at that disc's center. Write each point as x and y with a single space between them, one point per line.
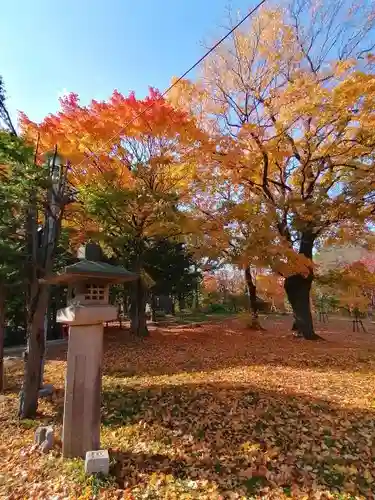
216 308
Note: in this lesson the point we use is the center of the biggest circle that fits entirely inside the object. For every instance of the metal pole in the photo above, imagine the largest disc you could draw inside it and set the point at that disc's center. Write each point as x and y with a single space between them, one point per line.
51 222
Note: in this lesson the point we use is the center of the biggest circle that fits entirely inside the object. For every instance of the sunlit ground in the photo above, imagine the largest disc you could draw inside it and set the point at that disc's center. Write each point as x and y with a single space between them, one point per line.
215 411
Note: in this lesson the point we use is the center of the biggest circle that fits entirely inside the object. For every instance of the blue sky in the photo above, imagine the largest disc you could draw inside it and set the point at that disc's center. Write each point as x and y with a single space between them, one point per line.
94 46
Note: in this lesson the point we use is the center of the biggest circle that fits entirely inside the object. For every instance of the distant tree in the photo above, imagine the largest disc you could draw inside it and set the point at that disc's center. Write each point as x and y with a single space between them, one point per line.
226 286
172 268
240 232
271 288
345 273
352 284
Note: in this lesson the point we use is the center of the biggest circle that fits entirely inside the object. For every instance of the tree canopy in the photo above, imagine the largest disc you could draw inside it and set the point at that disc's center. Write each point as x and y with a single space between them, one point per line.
289 101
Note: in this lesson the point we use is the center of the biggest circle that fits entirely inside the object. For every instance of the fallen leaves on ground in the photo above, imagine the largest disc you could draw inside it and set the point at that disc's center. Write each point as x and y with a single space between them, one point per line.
214 412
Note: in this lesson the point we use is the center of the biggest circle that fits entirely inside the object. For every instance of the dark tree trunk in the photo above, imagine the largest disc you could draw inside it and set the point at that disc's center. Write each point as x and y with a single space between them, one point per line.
297 288
153 308
196 304
2 335
54 306
34 354
294 326
48 329
181 302
138 320
40 253
119 315
124 304
196 299
253 303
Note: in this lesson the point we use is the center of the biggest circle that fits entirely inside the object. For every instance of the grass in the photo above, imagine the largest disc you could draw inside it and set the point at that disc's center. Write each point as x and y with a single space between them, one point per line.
212 412
203 317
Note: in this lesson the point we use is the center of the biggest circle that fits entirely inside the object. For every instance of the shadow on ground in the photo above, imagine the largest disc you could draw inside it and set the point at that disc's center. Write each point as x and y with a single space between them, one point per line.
237 438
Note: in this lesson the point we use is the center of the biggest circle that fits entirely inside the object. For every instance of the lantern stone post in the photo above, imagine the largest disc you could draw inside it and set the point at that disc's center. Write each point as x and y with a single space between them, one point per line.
87 309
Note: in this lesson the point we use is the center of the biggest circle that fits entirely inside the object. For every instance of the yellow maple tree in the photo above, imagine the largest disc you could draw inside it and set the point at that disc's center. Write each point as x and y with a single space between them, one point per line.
289 101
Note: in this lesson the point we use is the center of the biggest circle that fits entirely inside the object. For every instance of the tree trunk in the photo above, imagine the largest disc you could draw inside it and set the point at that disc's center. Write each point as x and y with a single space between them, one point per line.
181 302
40 253
196 299
294 326
253 303
119 315
124 304
2 335
47 330
34 354
138 320
234 306
54 327
297 288
153 308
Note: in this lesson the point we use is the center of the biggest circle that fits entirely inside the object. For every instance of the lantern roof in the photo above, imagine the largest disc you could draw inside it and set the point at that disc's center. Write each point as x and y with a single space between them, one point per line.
91 270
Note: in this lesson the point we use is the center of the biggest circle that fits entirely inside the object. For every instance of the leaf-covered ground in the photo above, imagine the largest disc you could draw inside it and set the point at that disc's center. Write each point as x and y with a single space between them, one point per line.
212 412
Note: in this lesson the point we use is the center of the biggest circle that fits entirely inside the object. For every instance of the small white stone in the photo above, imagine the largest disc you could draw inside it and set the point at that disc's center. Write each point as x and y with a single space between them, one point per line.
97 462
47 445
40 435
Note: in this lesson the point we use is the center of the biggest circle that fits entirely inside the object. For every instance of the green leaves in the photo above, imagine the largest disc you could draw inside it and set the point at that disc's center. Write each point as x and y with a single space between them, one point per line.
17 180
13 149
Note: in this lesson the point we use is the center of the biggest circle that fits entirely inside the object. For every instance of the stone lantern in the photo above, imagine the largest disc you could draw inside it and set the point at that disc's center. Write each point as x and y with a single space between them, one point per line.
88 308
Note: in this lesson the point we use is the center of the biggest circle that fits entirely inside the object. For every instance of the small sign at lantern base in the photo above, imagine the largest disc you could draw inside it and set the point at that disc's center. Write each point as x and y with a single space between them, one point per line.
97 462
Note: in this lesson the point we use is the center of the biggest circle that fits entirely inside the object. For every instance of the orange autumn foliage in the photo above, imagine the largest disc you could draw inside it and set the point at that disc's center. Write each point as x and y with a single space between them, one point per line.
288 104
101 137
140 147
271 288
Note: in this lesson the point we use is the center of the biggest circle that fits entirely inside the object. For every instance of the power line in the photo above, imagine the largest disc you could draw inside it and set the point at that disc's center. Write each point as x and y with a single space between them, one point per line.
249 14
